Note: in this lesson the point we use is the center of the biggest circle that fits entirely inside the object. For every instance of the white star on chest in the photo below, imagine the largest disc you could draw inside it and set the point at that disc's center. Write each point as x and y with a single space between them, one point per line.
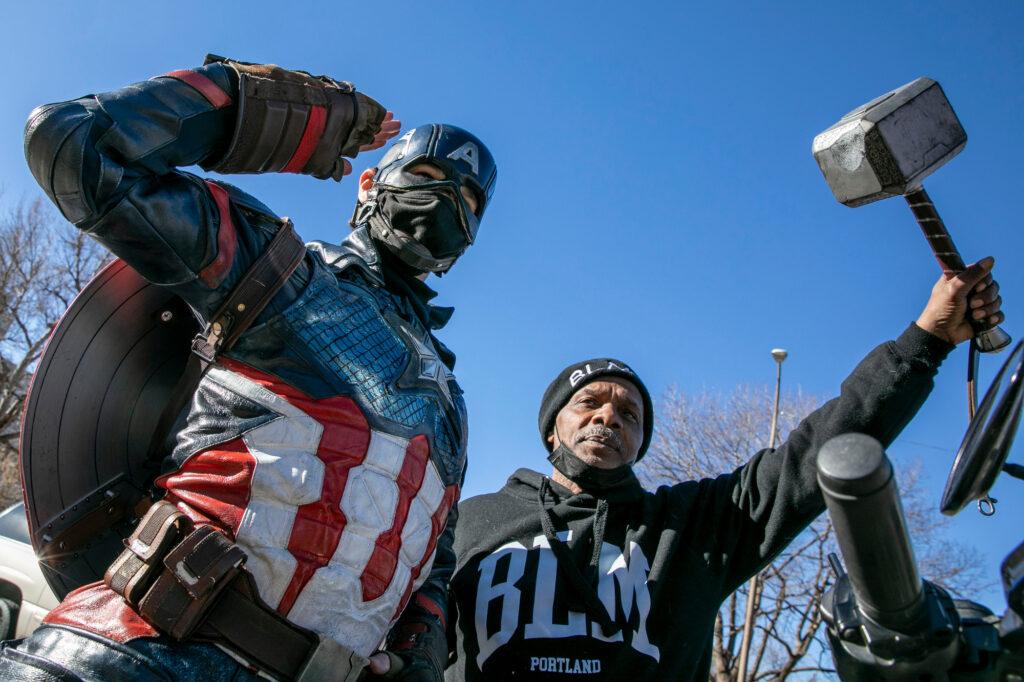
424 364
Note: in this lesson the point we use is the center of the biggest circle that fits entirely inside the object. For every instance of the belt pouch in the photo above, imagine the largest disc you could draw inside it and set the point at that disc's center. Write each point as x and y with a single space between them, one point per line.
138 565
197 570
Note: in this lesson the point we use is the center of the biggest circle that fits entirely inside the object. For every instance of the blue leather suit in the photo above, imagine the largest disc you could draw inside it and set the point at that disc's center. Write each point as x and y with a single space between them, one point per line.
330 442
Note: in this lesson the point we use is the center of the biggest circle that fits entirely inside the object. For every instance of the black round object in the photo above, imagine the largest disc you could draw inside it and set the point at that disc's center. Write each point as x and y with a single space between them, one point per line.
853 465
101 385
858 484
989 437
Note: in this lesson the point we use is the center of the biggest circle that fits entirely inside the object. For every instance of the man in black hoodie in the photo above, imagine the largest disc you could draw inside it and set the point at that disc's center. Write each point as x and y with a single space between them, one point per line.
584 575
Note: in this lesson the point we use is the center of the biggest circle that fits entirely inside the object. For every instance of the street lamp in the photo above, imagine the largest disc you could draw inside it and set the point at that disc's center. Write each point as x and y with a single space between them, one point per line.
779 355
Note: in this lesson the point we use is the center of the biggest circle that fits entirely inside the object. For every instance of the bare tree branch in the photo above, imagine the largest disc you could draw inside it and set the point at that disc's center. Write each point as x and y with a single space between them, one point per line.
44 262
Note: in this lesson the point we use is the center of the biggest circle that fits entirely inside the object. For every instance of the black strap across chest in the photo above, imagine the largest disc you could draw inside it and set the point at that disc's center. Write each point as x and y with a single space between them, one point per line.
240 308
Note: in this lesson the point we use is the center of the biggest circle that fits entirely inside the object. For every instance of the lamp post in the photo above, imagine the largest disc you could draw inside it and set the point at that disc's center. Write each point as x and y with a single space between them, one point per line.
754 586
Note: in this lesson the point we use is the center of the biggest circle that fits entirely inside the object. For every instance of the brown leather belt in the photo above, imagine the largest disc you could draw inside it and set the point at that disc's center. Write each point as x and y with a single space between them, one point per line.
188 582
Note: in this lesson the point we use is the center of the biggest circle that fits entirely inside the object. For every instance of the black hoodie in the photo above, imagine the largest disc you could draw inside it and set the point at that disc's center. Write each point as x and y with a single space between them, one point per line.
668 558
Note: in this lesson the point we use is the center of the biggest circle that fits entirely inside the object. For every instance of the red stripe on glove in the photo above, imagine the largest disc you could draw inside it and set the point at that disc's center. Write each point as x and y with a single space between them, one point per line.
428 604
310 138
206 87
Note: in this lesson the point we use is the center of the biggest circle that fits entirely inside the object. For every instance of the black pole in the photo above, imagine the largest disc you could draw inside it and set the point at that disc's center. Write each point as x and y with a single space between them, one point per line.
857 482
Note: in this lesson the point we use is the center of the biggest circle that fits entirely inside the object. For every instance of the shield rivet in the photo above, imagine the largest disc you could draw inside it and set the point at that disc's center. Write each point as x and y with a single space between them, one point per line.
166 316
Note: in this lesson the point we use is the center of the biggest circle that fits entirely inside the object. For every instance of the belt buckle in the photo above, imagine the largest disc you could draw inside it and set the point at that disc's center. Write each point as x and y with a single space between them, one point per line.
332 660
182 573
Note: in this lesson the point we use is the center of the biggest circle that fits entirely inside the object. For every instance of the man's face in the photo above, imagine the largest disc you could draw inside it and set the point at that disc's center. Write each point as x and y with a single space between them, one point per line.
424 169
602 423
428 170
429 228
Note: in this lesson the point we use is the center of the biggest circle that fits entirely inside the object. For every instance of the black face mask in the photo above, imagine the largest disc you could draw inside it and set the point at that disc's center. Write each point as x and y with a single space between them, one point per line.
588 477
423 227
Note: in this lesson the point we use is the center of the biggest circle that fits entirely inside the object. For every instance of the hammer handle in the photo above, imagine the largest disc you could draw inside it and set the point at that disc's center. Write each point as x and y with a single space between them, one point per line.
935 231
990 337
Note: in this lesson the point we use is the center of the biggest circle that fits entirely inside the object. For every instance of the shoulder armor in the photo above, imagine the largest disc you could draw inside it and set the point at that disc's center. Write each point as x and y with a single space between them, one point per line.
357 251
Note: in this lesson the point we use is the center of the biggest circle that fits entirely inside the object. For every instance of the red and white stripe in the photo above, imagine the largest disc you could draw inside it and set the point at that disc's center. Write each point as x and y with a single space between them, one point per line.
339 521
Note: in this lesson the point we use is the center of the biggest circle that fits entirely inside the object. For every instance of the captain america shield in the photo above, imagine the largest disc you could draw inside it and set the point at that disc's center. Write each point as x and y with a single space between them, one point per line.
108 370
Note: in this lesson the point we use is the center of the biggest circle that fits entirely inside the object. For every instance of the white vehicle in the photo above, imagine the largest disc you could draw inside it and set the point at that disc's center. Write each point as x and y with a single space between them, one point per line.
25 598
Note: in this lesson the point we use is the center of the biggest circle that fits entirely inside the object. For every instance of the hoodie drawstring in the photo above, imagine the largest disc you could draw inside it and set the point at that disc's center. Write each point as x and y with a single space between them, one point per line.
585 587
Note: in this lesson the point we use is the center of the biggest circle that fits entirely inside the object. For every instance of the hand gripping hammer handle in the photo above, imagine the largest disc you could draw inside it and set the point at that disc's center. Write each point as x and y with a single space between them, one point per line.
989 338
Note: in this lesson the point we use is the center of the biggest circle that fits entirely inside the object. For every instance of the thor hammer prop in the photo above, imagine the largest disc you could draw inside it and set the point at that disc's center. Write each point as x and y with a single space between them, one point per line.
885 148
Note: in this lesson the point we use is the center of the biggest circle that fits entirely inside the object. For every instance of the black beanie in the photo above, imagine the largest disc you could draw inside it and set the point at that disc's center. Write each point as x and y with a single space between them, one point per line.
579 374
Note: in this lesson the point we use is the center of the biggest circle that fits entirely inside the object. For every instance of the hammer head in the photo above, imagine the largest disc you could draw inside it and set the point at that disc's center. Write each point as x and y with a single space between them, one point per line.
888 146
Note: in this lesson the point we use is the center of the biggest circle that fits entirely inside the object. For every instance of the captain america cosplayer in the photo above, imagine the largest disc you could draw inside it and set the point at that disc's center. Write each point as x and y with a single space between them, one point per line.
329 443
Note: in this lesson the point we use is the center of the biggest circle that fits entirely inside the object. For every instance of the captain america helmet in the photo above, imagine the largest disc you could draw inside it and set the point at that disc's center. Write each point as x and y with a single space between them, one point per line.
424 218
460 155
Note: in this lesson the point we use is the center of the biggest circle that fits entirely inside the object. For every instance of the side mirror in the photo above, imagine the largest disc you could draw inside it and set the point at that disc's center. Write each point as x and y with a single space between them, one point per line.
989 438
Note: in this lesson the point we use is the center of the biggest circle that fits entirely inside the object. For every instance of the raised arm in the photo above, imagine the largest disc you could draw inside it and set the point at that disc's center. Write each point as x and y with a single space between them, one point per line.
109 163
773 497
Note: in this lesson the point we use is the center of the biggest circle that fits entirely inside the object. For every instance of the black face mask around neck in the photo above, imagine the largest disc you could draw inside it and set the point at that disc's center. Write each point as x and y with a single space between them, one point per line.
588 477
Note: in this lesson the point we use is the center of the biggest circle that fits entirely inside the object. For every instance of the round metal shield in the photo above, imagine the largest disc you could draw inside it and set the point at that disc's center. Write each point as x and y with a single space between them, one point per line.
108 371
989 437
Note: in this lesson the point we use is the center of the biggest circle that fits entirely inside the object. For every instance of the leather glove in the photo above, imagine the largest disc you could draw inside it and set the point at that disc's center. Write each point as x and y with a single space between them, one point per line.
295 122
417 650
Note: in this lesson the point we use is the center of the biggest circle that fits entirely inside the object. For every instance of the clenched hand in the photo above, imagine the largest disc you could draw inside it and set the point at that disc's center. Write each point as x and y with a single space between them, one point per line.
972 292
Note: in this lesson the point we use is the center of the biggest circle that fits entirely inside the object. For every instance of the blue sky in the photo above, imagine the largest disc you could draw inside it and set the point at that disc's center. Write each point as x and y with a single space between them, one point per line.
656 200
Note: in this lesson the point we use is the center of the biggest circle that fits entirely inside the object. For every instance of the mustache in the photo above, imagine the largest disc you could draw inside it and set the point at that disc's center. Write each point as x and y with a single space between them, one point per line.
610 436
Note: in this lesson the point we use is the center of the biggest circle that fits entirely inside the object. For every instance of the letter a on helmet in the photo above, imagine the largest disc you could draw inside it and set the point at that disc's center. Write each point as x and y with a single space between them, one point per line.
469 153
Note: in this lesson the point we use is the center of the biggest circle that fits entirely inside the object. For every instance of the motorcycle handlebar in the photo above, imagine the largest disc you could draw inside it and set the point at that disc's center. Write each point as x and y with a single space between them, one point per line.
856 479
